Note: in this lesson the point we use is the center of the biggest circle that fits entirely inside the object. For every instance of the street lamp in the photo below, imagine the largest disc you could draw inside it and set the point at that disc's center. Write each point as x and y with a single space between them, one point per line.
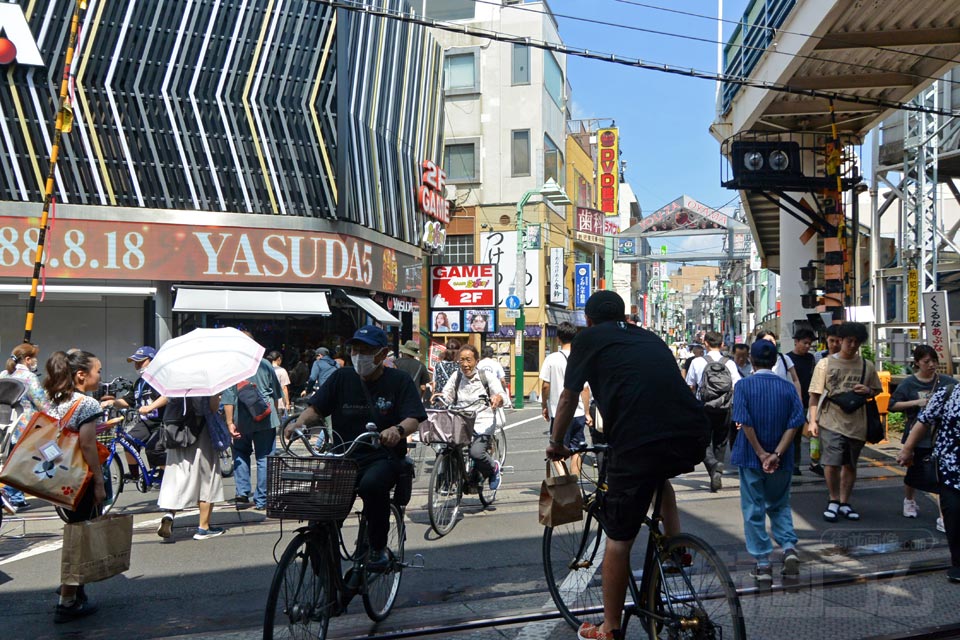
554 194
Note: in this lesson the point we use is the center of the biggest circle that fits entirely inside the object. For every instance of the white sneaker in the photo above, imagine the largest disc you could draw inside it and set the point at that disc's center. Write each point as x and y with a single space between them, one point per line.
910 509
940 527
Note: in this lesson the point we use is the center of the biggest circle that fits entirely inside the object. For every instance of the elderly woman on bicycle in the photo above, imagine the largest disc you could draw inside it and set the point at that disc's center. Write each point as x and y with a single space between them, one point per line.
469 385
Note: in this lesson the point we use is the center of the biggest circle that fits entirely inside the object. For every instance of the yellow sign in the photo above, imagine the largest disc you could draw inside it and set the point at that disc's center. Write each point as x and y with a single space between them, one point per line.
608 171
913 300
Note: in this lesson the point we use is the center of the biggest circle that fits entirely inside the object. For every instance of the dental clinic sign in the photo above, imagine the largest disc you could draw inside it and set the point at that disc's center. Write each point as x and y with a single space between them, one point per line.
17 43
155 251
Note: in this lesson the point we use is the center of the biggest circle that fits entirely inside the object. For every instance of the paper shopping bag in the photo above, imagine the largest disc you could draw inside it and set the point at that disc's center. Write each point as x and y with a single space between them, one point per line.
96 549
560 499
47 462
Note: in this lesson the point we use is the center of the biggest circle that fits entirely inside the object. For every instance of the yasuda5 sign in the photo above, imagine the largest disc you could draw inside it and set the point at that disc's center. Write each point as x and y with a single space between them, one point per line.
460 286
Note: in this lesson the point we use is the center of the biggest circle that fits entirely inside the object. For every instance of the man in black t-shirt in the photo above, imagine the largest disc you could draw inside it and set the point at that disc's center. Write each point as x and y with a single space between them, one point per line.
804 360
655 427
369 392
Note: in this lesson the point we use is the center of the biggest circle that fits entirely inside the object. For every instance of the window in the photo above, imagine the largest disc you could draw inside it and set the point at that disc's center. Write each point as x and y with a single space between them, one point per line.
531 355
552 161
584 192
461 161
520 152
457 250
553 78
460 72
521 64
450 9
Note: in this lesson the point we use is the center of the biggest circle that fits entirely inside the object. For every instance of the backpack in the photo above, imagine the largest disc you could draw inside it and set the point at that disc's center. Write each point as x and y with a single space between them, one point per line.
716 385
483 379
250 397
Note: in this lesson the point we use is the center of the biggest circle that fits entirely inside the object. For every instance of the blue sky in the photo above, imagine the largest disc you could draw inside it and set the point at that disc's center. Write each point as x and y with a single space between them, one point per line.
663 118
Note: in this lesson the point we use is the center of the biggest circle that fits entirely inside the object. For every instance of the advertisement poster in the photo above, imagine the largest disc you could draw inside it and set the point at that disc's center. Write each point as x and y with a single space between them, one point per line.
500 248
581 284
445 322
479 321
459 286
608 171
556 275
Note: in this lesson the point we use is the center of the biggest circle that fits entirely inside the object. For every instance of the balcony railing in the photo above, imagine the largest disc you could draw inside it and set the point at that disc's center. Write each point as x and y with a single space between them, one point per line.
750 40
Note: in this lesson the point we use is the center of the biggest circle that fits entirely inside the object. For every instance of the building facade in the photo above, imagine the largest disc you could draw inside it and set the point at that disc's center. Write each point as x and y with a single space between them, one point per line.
239 163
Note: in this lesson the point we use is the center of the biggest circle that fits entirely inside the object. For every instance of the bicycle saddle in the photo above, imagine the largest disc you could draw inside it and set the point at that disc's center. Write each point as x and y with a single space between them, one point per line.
11 391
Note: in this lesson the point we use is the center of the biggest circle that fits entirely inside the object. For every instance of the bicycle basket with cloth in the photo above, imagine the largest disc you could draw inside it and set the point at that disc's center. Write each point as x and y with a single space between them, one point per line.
447 426
320 488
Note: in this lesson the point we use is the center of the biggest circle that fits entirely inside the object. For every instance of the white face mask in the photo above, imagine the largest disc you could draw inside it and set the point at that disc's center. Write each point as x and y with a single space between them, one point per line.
365 365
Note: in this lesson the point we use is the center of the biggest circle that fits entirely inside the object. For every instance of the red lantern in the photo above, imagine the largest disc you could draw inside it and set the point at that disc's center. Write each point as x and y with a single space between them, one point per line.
8 52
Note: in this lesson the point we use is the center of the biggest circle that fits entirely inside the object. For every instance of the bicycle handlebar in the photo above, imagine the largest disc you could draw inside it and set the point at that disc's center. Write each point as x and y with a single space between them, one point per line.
371 435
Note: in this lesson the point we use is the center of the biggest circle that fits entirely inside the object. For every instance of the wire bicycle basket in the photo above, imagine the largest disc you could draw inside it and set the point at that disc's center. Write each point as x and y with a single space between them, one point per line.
319 488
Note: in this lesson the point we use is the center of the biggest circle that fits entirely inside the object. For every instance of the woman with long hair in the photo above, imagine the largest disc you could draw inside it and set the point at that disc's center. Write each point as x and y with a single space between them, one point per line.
447 366
22 365
70 376
440 322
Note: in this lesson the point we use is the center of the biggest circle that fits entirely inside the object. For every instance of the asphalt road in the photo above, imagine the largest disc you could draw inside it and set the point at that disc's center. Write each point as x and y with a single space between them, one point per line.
489 565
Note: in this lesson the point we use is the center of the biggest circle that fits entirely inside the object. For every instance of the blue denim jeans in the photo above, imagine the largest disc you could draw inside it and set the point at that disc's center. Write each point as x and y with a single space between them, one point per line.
765 495
261 442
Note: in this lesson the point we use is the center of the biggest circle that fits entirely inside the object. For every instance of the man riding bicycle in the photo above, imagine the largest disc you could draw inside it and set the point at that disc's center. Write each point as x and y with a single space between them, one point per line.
149 404
655 429
366 393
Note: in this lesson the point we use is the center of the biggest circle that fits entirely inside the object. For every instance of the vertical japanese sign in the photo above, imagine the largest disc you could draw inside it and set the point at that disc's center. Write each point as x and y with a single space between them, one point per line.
581 284
608 171
556 275
913 300
936 318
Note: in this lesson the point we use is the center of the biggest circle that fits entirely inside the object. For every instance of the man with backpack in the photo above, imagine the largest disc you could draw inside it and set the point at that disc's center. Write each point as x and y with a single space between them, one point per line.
323 368
250 409
712 378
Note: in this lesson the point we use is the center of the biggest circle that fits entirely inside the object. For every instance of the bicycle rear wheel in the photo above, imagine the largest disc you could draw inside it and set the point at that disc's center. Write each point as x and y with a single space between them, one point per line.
572 559
298 603
692 594
446 492
112 482
381 588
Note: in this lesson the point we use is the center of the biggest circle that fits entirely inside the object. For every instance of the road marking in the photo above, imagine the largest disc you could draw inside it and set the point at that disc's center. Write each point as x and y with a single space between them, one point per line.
517 424
35 551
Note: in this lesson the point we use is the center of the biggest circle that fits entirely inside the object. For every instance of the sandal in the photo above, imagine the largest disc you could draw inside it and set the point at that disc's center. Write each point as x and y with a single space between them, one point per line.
847 512
830 513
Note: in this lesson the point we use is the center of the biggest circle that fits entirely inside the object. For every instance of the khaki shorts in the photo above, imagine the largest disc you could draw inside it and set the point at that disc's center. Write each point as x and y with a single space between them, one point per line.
837 450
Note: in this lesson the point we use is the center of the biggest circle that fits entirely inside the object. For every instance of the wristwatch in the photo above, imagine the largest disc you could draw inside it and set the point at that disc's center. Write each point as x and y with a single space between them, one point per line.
403 434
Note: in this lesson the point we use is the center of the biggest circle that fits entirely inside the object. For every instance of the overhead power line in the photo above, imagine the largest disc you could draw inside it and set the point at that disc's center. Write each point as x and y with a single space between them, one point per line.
746 47
630 62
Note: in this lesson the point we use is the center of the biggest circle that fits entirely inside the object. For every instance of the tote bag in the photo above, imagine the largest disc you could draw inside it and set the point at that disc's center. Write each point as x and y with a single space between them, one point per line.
57 474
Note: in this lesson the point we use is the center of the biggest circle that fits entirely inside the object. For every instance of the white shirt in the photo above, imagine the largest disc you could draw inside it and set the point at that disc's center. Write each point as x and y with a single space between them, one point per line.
780 370
553 371
470 390
695 374
493 366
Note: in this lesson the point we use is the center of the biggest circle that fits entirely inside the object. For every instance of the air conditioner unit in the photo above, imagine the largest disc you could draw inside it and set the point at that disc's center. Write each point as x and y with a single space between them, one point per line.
512 1
451 192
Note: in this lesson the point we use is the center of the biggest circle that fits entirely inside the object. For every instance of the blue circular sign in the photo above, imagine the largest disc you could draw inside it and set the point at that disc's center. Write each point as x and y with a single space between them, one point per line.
512 302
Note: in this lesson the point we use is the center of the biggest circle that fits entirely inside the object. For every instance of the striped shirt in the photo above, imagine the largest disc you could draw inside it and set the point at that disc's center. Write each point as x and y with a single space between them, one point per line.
770 405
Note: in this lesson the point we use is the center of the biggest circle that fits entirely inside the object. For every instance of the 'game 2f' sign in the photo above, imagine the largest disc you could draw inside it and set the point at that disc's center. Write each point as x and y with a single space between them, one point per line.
17 43
608 170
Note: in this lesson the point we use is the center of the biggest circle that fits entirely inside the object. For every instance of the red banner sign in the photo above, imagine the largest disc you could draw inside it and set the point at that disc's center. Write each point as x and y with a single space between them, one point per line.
154 251
459 286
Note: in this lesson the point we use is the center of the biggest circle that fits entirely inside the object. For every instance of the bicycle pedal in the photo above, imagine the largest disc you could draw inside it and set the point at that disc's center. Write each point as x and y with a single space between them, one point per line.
417 563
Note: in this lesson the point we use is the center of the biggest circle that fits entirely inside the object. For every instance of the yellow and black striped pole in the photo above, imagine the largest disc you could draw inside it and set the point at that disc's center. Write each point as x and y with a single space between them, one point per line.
64 117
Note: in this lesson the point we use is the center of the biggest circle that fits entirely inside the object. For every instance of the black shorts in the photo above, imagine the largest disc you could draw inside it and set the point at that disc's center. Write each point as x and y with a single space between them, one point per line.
633 477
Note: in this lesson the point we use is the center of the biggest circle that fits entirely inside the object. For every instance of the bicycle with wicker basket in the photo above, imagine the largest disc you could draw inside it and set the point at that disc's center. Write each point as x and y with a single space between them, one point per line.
450 432
310 585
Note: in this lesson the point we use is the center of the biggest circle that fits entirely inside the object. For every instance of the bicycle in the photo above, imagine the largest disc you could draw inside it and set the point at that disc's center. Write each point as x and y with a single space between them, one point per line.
454 471
12 391
684 590
309 585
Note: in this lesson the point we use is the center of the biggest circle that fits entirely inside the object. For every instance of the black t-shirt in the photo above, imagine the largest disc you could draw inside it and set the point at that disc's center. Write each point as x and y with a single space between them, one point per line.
141 395
393 395
804 365
633 377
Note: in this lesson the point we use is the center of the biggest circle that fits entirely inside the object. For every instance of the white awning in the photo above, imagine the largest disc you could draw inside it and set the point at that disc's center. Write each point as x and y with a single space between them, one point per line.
261 302
378 313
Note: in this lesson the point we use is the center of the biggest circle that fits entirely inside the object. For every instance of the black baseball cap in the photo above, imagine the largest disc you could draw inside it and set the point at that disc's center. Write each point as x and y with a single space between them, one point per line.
603 306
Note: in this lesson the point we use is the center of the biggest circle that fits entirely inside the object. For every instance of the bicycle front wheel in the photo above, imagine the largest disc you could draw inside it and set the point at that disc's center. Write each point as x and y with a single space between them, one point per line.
572 558
691 594
381 587
446 492
298 602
